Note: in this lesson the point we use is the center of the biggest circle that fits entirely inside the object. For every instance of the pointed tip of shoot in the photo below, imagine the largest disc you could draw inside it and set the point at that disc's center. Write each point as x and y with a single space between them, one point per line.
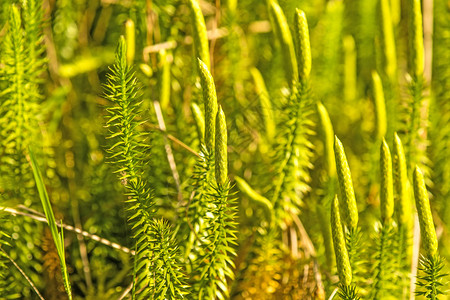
210 102
375 76
380 105
348 199
337 142
397 139
201 43
386 189
302 44
417 173
283 33
328 132
199 121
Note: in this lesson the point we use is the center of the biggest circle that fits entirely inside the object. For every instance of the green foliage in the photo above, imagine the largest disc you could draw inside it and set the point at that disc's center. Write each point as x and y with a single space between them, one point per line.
127 153
210 104
199 30
348 202
430 280
169 280
163 197
284 36
348 293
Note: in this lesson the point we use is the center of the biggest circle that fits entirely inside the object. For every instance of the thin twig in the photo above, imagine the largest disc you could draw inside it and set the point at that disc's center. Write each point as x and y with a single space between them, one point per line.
23 274
333 294
214 34
306 240
318 277
94 237
126 292
173 139
170 157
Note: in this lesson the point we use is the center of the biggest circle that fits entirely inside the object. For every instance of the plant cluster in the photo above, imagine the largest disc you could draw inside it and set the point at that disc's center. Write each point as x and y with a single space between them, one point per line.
197 149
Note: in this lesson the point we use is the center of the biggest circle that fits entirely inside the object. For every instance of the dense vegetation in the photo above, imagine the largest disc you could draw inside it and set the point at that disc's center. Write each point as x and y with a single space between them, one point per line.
199 149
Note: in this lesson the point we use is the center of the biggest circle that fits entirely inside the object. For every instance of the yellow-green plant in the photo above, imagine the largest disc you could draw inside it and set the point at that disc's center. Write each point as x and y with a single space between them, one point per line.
285 38
348 203
403 209
380 106
387 42
346 290
210 104
294 151
349 210
215 259
330 184
416 147
145 177
21 111
129 154
431 264
384 266
200 36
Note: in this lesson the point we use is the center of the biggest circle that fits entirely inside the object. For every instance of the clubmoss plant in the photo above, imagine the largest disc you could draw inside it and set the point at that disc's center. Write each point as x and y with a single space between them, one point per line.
387 38
380 106
302 45
21 113
330 184
130 38
349 211
427 232
285 38
294 152
200 36
203 178
348 203
221 145
386 190
328 138
403 209
439 132
169 282
416 38
210 104
384 266
401 185
416 150
144 176
215 260
431 264
199 121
